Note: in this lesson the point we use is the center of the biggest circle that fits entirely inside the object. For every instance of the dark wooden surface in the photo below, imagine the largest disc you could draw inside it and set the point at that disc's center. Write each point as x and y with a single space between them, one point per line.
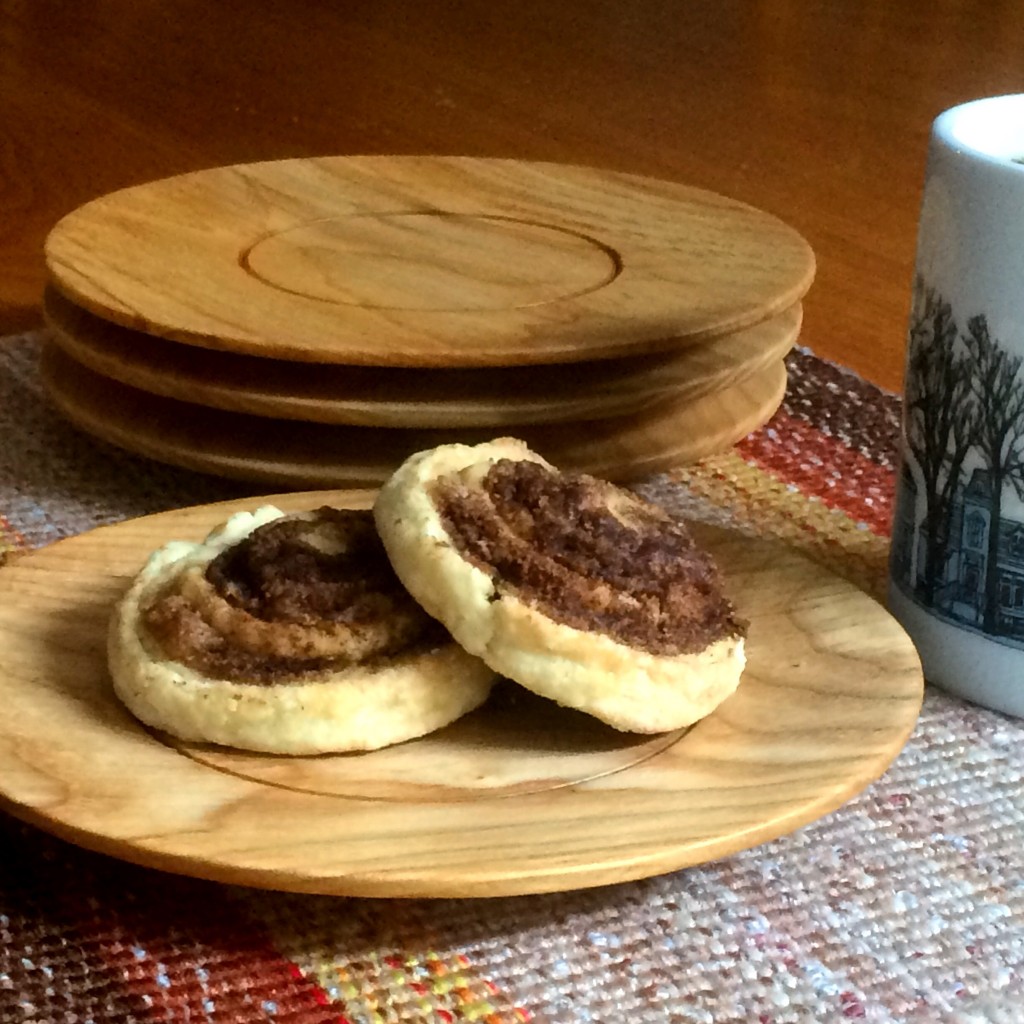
818 112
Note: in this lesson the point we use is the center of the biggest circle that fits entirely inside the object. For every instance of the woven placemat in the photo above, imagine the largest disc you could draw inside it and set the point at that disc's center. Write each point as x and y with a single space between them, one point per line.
906 905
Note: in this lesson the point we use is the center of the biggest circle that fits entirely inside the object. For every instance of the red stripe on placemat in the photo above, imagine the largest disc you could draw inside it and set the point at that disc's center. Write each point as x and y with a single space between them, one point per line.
215 970
841 405
117 942
10 538
823 467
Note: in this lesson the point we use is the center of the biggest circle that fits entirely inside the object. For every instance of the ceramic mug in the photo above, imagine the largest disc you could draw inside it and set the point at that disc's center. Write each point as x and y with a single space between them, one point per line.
957 558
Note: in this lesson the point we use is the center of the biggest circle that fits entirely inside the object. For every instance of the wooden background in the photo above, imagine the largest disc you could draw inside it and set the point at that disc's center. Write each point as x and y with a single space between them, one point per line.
816 111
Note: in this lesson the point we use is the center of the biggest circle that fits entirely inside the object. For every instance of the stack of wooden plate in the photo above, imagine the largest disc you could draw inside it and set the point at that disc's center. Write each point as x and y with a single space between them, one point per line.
313 322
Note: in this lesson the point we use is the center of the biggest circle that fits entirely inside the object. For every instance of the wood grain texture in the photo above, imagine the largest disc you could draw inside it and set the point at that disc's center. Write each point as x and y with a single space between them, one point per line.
427 261
817 113
293 453
394 397
831 692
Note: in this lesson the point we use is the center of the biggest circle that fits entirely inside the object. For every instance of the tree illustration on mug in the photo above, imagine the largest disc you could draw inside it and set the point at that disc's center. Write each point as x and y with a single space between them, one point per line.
964 429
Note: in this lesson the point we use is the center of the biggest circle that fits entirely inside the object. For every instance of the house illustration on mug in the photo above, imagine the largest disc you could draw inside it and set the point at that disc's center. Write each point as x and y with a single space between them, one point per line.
958 587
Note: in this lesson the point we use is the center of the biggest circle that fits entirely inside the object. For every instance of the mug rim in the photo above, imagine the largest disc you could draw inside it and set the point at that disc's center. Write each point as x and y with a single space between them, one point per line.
974 129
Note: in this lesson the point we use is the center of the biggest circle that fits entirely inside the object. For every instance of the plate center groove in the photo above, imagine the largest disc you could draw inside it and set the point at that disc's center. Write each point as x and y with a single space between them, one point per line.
431 262
517 743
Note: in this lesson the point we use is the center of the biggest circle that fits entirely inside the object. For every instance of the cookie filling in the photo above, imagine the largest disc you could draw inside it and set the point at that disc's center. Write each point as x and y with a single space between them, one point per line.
589 555
300 596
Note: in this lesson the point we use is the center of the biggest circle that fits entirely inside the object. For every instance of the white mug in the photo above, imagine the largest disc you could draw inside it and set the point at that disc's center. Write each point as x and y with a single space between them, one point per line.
957 562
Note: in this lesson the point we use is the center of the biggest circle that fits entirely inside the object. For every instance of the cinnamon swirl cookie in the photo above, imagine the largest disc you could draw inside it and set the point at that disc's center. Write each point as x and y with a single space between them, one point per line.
286 634
575 588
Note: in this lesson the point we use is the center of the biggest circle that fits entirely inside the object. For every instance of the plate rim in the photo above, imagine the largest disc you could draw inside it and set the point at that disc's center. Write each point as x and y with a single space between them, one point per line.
107 349
667 434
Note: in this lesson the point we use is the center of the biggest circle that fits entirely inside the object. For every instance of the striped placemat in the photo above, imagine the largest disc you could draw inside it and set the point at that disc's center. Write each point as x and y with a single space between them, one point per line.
906 905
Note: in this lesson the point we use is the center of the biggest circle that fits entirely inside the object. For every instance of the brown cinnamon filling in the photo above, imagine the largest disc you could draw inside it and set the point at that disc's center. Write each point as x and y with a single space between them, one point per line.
298 597
589 555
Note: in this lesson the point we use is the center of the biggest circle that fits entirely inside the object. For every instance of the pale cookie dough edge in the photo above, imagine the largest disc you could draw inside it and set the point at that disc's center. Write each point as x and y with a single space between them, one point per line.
630 689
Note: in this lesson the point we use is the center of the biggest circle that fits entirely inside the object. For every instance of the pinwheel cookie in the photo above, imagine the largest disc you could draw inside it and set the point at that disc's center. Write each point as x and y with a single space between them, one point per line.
574 588
286 634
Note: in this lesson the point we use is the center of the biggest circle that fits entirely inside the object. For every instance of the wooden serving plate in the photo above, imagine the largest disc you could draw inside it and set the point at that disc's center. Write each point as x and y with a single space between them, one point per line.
395 397
292 453
427 261
520 797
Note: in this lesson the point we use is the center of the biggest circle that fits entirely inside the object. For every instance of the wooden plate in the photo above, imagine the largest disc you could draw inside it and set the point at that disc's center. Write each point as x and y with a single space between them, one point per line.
292 453
517 798
427 261
396 397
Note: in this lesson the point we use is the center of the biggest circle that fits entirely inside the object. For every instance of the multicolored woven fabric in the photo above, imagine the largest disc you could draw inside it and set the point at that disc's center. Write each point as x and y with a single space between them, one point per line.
906 905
